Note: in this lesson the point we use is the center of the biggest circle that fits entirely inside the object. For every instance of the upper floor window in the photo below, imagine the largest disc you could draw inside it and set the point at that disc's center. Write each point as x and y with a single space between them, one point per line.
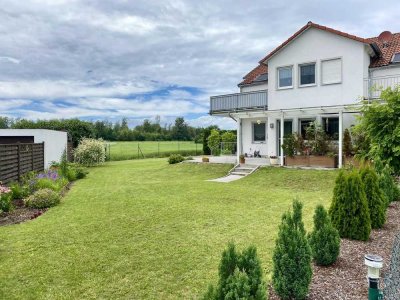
285 77
307 74
331 71
259 132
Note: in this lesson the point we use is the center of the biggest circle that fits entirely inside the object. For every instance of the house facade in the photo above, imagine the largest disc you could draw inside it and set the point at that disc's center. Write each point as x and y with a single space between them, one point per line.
318 74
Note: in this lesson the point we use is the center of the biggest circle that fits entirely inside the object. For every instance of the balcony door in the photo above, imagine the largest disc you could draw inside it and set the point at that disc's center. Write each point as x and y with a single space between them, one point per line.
287 129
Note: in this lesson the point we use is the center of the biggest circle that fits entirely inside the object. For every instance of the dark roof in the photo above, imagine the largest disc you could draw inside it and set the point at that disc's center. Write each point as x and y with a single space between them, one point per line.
385 51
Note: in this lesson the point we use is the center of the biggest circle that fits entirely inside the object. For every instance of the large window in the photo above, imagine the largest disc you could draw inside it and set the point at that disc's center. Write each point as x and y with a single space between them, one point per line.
331 127
331 71
258 132
285 77
307 74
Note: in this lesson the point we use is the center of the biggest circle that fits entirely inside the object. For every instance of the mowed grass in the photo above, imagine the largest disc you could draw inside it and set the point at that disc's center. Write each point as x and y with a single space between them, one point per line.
129 150
144 229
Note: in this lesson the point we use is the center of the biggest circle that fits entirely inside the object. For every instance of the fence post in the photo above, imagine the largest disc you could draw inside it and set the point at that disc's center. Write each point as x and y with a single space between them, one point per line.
19 161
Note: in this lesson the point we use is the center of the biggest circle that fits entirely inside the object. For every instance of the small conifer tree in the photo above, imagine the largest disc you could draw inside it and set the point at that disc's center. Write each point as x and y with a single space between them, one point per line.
349 209
377 202
292 257
347 145
325 239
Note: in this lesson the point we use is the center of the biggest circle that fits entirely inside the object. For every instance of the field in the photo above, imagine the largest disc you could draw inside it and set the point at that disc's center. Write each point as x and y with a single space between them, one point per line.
143 229
134 150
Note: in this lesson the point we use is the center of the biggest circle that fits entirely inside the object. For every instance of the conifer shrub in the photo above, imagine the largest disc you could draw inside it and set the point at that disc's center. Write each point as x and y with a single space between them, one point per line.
325 239
240 276
377 202
349 209
292 272
388 185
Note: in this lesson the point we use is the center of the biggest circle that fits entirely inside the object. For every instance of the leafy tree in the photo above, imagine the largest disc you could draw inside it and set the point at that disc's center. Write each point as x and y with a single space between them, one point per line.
180 131
229 140
377 202
349 209
214 141
4 122
206 134
380 123
325 239
292 271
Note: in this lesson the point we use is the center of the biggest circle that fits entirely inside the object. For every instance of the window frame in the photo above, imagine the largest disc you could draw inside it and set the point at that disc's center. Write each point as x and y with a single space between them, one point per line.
315 74
265 132
322 73
277 77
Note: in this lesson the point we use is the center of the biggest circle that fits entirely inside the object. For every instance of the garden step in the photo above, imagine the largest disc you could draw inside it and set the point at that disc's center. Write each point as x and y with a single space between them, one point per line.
239 169
239 173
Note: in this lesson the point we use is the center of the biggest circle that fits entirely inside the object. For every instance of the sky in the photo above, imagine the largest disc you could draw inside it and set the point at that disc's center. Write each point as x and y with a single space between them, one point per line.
105 60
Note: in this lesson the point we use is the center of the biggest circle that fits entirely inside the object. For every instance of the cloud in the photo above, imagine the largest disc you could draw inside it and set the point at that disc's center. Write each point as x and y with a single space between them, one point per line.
148 56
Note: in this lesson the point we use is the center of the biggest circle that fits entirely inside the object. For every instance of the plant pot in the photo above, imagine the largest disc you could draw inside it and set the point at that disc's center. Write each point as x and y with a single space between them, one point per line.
205 159
274 161
242 160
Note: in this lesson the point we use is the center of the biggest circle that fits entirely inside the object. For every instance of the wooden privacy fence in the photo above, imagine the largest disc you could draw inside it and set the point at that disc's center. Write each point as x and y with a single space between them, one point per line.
18 159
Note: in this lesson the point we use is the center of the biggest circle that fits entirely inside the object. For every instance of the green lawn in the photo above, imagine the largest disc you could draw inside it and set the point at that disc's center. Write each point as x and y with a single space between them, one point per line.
129 150
144 229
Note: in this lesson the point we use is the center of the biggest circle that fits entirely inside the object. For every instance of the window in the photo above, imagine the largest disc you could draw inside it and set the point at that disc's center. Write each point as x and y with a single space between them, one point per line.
258 132
307 74
331 127
285 77
396 58
303 126
331 71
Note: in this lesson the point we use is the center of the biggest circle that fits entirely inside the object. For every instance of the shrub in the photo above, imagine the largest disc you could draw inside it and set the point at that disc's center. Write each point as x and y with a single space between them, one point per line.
175 158
293 144
5 199
48 180
317 139
43 198
347 145
387 183
325 239
214 142
349 209
377 201
90 152
19 191
292 271
240 276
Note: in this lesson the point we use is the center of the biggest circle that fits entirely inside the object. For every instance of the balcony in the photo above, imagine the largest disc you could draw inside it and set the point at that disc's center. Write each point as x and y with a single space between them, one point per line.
239 102
374 86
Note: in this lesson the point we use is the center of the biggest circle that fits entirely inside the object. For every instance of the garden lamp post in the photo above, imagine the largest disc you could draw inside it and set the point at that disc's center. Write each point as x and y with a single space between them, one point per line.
374 264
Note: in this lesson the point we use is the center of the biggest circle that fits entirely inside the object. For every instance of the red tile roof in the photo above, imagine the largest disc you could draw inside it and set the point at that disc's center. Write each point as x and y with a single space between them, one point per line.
388 50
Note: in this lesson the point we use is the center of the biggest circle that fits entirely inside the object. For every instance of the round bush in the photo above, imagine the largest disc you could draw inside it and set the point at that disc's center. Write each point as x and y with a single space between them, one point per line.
175 158
325 239
43 198
90 152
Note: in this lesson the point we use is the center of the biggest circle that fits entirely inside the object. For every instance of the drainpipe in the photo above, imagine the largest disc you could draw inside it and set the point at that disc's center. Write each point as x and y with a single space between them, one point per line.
282 127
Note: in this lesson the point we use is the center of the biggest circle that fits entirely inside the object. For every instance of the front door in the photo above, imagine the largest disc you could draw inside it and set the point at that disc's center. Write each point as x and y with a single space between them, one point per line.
287 129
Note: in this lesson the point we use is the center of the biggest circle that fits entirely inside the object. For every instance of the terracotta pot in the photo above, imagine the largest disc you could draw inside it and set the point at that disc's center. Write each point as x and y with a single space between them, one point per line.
205 159
242 160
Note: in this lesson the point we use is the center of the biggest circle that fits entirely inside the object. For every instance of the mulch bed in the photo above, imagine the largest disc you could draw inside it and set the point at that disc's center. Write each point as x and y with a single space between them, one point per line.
347 278
20 214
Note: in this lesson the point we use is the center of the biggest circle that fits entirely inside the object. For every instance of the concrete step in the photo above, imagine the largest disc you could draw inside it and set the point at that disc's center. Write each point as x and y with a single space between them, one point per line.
239 173
243 170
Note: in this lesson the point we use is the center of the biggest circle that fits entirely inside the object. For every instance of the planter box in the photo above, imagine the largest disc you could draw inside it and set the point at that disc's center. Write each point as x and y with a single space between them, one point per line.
274 161
312 161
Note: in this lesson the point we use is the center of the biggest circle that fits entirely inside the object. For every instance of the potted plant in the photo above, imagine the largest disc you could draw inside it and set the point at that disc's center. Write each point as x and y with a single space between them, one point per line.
205 159
242 160
273 160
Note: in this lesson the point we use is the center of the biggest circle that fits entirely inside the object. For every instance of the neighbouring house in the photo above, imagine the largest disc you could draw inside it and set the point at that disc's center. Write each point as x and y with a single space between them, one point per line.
55 142
320 74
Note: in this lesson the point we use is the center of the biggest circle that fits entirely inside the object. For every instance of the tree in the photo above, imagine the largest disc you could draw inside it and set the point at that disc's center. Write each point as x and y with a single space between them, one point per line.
292 271
4 122
214 141
228 139
325 239
180 130
380 123
349 208
377 201
206 134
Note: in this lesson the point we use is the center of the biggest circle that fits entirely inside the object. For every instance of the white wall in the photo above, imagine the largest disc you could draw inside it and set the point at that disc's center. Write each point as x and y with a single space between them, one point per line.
55 142
247 137
386 71
315 45
253 88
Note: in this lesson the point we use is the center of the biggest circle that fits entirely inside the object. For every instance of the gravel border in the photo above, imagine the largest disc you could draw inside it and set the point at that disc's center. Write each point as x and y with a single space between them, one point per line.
346 279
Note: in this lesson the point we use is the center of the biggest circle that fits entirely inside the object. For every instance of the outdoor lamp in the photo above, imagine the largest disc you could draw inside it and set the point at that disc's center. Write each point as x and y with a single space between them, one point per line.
374 264
271 125
258 122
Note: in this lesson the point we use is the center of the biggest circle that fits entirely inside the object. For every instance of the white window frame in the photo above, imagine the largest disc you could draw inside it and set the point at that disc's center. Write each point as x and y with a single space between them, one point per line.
315 74
277 77
252 132
341 70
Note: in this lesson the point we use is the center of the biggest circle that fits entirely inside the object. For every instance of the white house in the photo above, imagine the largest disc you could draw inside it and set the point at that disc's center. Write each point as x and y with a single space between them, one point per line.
55 142
319 73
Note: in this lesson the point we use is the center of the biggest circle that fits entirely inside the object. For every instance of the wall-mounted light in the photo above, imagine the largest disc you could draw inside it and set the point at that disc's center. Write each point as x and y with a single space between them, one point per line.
271 125
258 122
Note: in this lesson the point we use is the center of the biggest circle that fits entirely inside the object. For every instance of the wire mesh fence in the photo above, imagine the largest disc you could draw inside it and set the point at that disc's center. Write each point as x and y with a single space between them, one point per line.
151 149
391 290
